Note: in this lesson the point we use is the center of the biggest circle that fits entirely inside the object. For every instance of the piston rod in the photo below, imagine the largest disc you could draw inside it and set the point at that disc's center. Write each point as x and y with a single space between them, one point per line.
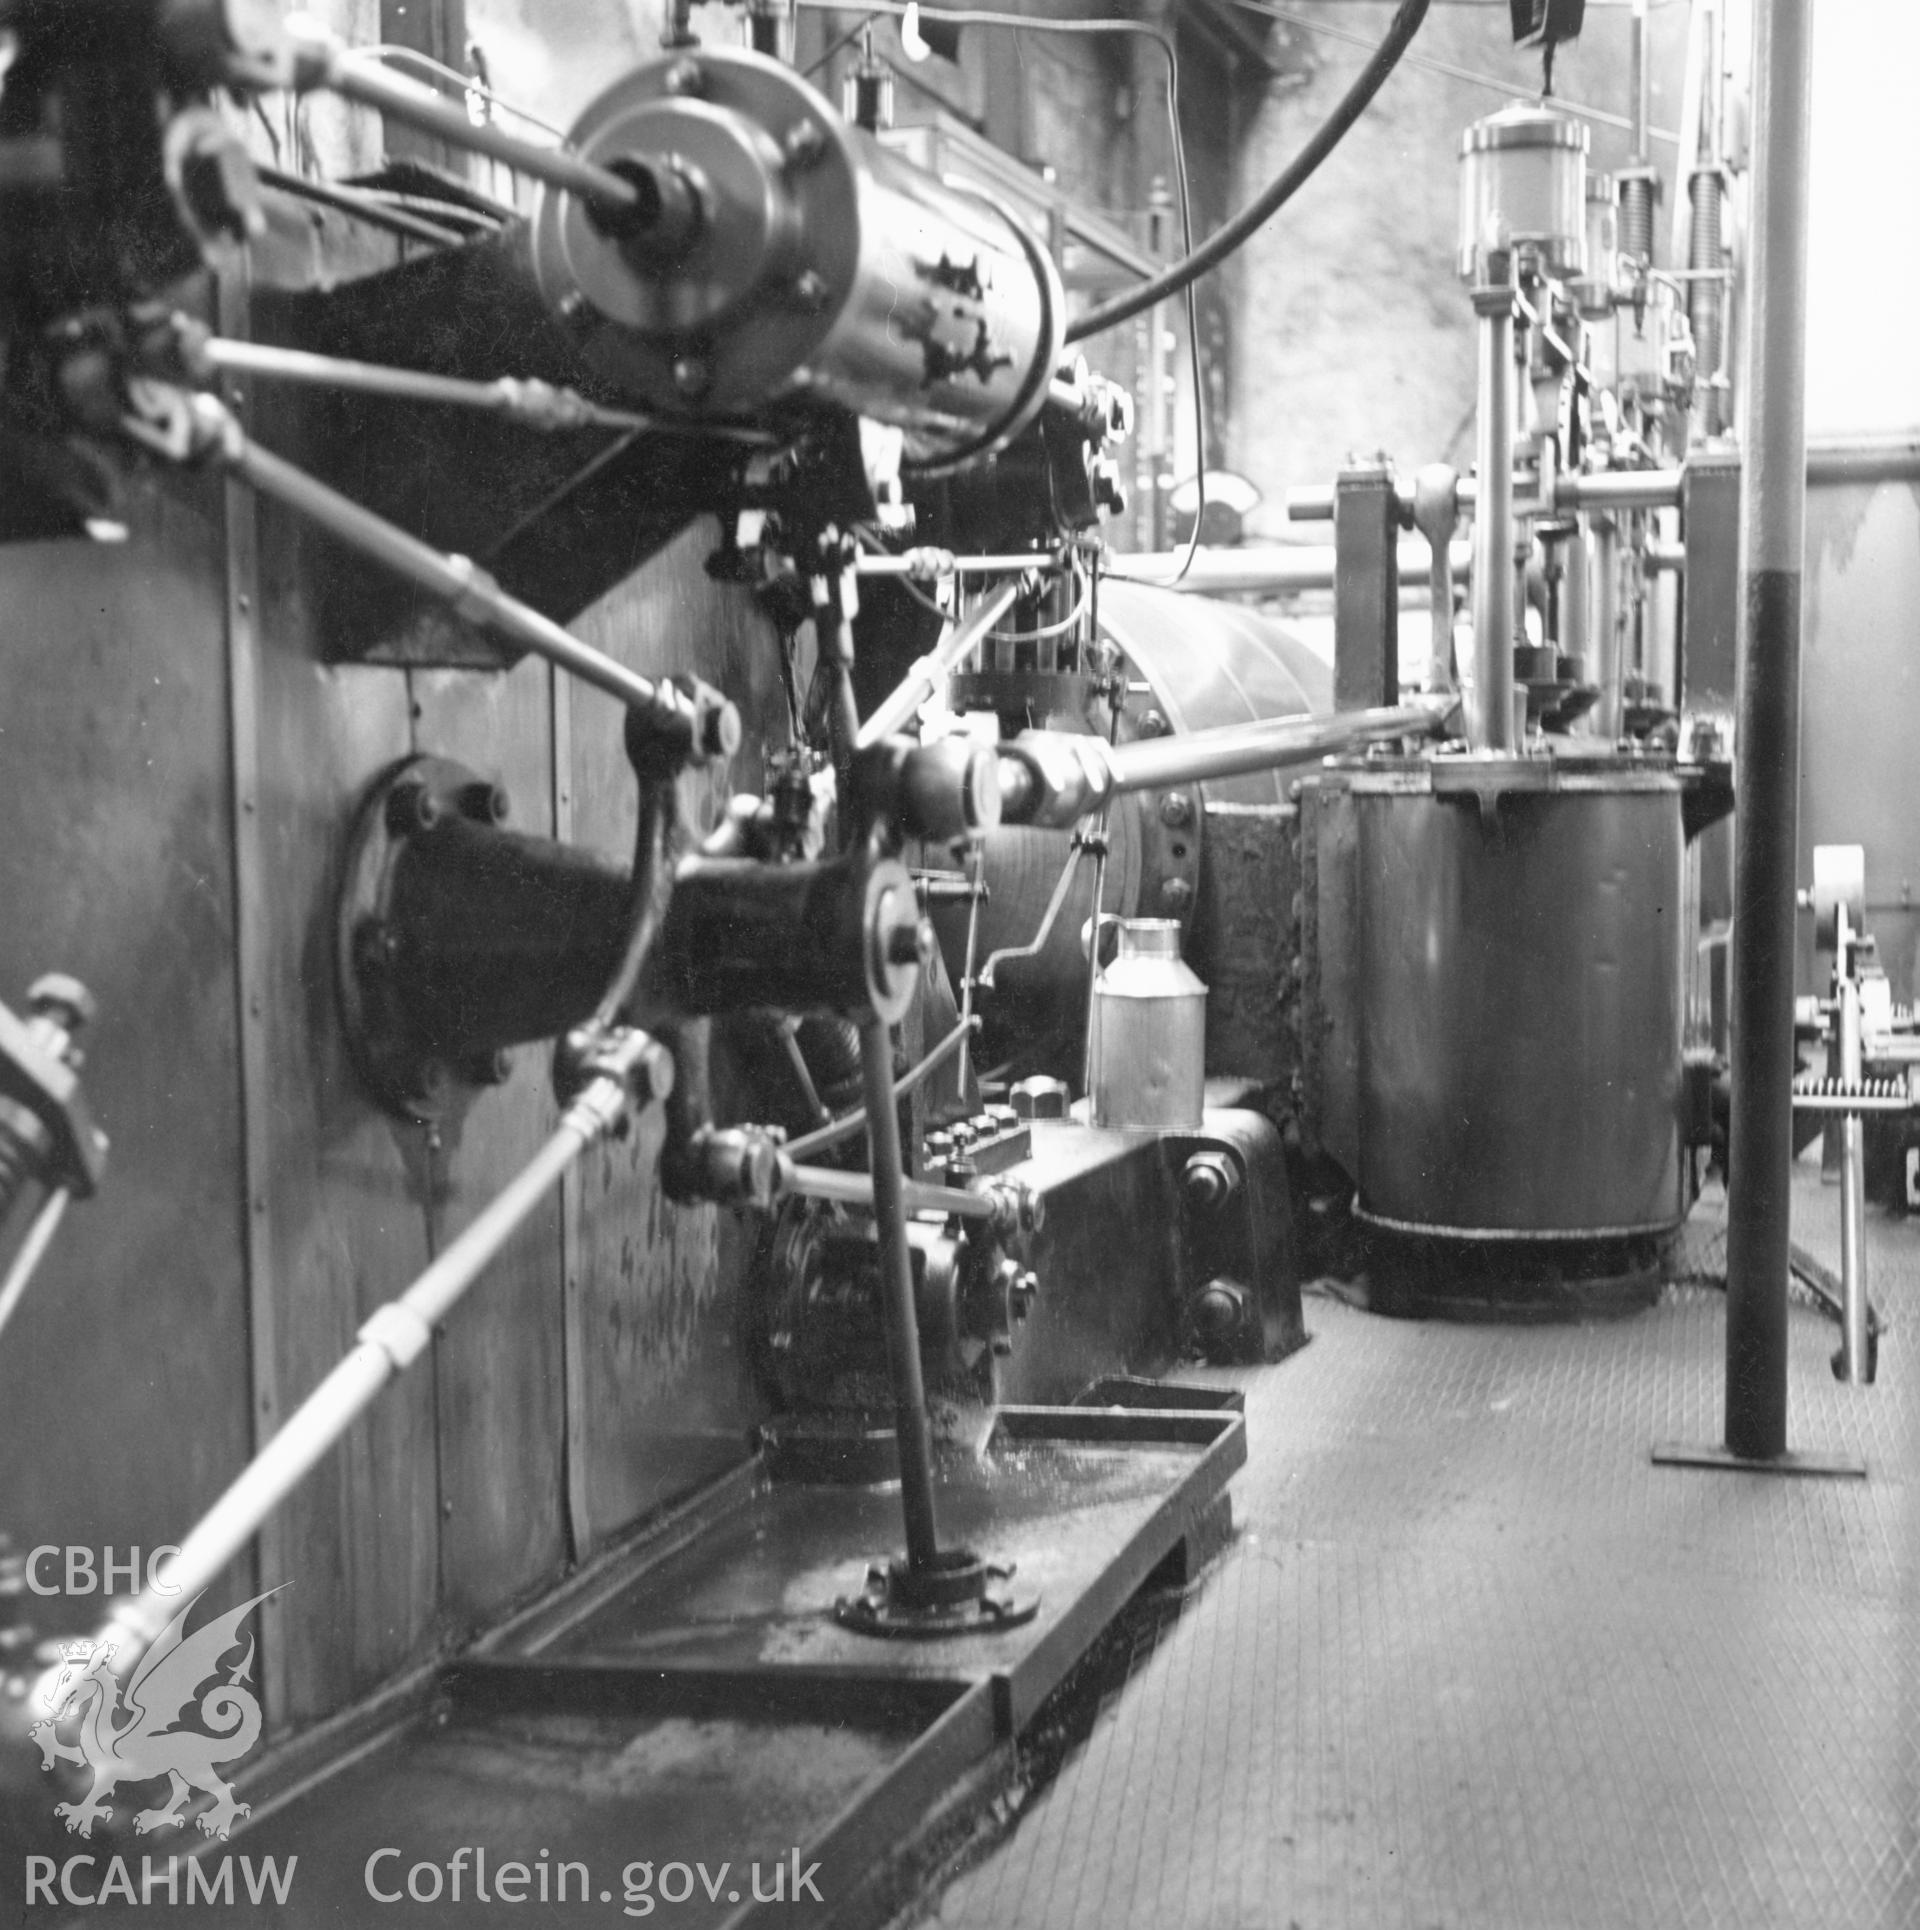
537 405
888 1190
895 711
1051 778
387 1344
46 1222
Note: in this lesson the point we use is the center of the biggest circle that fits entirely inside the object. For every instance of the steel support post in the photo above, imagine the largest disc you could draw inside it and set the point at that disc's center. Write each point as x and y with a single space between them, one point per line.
1773 516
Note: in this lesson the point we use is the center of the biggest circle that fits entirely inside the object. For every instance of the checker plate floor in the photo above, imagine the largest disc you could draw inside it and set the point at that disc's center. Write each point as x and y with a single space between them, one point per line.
1475 1663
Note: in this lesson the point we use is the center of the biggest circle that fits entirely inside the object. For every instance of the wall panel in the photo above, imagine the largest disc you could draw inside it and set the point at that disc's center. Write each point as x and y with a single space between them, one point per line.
123 1375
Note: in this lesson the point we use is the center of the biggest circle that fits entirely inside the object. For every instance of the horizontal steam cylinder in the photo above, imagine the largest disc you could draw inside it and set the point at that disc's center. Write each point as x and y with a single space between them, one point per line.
773 251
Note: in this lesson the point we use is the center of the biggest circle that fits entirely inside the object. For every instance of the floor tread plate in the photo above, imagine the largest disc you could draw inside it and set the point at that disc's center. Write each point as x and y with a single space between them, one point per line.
1476 1661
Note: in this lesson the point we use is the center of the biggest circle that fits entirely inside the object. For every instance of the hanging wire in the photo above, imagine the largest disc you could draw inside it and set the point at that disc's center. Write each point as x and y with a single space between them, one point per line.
1091 323
1274 196
1046 630
467 83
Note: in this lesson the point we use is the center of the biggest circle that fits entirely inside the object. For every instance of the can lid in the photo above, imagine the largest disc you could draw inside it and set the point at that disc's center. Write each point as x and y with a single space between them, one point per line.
1149 938
1522 125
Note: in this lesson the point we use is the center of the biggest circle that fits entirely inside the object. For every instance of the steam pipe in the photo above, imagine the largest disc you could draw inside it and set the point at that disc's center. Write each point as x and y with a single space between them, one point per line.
1773 519
1599 489
1830 460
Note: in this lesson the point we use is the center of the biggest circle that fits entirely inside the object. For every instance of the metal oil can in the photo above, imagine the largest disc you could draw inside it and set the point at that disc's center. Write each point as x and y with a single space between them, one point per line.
1148 1053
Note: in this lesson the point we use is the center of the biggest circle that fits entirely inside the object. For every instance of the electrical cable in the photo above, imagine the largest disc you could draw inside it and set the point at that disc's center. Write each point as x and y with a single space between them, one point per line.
1046 630
1278 192
846 40
848 1124
977 17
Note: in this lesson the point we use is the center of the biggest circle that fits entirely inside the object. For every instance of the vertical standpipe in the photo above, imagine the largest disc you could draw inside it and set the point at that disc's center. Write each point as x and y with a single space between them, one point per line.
1490 716
1773 517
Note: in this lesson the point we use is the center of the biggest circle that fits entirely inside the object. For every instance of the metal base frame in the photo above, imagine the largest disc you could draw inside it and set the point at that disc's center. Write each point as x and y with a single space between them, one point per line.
712 1646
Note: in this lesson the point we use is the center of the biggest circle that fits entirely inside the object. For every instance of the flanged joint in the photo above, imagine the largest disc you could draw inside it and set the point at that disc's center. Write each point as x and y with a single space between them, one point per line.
939 791
634 1060
899 941
739 1166
715 731
1017 1207
956 1593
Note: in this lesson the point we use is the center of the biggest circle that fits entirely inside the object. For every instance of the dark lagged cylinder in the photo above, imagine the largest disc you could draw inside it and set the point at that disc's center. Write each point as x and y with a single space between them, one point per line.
1520 1008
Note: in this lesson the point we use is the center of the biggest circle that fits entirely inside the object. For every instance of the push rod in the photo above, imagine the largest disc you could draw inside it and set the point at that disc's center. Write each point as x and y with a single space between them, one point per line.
703 728
539 405
46 1222
387 1344
895 711
887 1184
927 563
912 1429
916 1196
1773 526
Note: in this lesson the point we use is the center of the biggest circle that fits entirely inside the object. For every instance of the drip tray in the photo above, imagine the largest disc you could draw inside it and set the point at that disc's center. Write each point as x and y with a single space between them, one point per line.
692 1704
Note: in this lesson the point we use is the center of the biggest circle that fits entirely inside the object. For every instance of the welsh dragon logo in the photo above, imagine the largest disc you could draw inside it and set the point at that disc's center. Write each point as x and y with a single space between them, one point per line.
132 1737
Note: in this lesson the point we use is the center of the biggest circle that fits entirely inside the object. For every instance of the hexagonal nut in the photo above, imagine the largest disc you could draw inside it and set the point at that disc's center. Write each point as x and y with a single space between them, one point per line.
1039 1098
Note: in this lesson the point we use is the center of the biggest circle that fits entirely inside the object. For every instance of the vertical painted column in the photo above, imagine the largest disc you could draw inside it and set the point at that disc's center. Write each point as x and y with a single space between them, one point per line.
1773 513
